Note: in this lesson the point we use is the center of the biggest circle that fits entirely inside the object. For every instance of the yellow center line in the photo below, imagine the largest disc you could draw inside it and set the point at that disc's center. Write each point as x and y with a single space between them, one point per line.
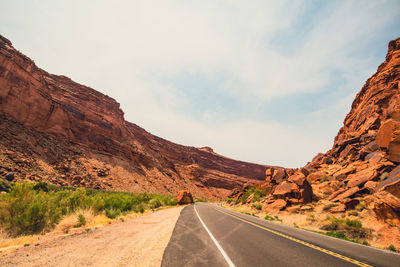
356 262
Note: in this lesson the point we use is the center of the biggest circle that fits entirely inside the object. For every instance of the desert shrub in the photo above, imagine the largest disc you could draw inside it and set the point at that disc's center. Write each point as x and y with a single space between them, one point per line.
360 207
258 193
112 214
272 218
229 200
353 223
81 221
155 203
25 211
311 217
139 208
43 186
352 229
30 208
339 234
5 186
257 206
392 248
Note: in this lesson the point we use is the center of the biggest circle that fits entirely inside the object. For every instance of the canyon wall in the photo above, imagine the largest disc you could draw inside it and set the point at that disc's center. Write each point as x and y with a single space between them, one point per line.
57 130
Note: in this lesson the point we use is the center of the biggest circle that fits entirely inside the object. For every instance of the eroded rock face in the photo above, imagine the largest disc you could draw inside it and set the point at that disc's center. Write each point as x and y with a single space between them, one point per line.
367 147
374 116
392 183
90 127
386 206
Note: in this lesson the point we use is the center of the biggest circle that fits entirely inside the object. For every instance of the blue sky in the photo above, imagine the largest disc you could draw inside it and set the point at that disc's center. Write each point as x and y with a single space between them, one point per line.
261 81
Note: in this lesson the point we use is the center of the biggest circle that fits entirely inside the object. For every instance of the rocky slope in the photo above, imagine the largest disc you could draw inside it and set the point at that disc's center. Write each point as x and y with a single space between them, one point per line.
360 176
57 130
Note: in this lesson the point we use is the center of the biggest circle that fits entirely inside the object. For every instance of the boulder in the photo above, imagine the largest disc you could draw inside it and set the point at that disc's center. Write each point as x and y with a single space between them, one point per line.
385 133
269 172
285 189
374 157
369 148
277 205
304 186
336 193
386 207
339 208
392 183
362 177
278 175
347 152
371 185
342 173
351 203
348 193
316 176
394 148
10 176
318 158
184 197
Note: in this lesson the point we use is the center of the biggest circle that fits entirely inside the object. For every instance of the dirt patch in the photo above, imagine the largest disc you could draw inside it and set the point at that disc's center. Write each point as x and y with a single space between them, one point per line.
140 241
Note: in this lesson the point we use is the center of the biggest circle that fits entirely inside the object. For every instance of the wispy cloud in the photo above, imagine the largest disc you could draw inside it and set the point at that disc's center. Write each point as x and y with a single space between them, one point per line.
262 81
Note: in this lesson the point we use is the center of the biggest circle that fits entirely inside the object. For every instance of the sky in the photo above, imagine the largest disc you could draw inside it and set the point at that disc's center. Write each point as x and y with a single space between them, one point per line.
268 82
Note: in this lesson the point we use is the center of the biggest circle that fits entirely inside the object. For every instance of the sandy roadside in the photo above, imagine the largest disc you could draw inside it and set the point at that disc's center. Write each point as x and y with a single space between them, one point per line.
137 242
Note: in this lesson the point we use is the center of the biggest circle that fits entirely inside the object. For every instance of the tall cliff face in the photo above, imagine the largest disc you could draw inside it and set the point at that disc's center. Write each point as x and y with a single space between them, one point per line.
375 112
73 135
362 168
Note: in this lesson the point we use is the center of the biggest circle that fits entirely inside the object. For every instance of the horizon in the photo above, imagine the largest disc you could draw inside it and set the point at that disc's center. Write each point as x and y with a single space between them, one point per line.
255 82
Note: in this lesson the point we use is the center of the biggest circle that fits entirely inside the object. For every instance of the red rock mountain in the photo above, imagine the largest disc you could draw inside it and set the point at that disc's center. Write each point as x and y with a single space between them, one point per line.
362 168
57 130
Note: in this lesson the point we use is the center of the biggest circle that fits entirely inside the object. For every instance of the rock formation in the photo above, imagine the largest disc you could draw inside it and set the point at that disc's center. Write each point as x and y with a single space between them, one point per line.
184 197
363 165
57 130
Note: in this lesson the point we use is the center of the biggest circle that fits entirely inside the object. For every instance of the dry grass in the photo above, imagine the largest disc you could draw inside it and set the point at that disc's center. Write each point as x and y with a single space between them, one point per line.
92 220
7 242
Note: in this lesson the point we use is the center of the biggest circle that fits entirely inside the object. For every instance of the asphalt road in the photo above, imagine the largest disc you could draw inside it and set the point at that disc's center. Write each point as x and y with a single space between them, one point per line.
208 235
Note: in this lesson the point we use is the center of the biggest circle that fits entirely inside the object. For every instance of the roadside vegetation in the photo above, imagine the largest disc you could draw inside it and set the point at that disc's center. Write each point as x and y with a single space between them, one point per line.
256 194
31 208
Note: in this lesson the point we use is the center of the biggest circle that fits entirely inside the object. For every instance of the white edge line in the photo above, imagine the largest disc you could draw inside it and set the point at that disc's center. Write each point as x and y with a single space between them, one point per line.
226 257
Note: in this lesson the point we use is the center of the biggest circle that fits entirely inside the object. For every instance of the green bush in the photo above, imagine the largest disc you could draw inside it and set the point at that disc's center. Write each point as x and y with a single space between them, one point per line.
229 200
339 234
353 223
5 186
155 203
392 248
112 214
257 206
81 221
258 193
31 208
270 218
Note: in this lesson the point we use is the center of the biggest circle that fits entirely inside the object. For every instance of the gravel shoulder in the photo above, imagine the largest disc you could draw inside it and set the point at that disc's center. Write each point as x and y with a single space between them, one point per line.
137 242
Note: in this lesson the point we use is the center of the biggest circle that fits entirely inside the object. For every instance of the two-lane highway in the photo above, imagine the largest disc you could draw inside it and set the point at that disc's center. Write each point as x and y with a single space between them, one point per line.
208 235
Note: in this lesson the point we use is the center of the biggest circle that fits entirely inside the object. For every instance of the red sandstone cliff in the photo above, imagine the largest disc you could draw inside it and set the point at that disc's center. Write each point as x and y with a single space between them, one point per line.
57 130
362 168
